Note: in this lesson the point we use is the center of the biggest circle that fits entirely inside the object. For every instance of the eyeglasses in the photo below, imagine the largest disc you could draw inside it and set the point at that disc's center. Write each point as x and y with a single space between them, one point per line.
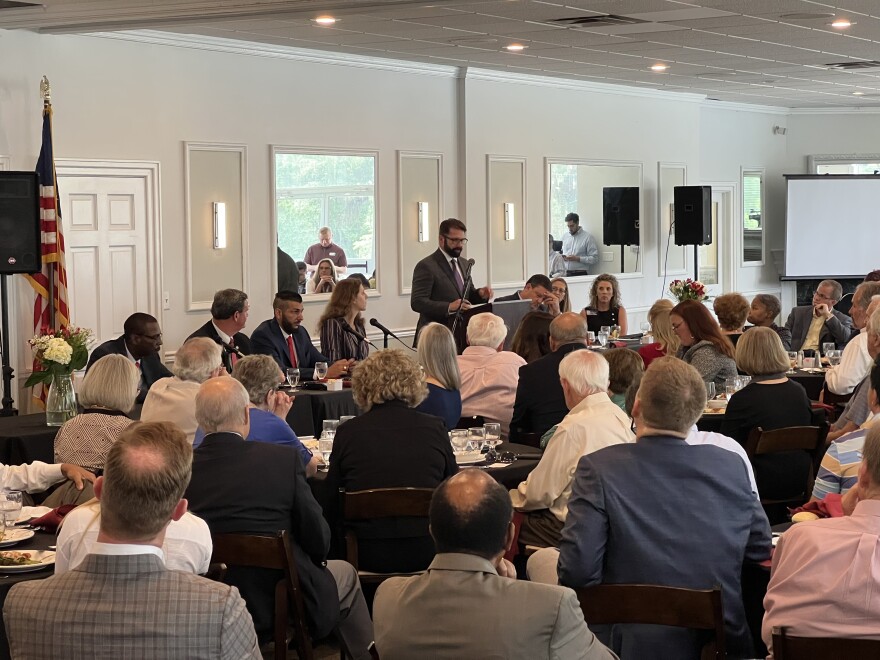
455 241
820 296
559 290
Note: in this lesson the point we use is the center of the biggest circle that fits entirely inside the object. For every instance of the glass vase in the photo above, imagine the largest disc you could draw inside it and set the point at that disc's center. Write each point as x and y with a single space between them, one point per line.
61 402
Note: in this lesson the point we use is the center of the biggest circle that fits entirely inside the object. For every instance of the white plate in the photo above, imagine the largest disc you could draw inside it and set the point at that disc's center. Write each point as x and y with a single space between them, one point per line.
469 458
14 536
45 558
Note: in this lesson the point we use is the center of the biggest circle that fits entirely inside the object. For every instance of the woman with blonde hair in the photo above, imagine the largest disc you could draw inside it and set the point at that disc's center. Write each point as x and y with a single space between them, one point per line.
324 280
390 445
107 395
342 315
437 355
665 340
605 308
560 290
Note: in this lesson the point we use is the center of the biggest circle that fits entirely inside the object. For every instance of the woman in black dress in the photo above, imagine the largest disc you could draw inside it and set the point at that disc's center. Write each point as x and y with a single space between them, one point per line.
605 308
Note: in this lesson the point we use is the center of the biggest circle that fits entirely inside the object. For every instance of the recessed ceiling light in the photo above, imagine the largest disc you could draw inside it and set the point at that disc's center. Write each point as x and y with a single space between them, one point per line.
659 67
841 23
515 48
325 20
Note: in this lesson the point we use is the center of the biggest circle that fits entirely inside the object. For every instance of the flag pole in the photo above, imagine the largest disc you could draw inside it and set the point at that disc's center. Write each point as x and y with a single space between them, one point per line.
46 93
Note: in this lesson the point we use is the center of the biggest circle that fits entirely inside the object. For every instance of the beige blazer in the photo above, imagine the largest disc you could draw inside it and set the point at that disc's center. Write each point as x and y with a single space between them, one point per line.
462 608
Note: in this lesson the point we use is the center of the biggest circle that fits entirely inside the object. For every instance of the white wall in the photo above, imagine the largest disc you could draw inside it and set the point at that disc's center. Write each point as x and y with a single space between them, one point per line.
126 100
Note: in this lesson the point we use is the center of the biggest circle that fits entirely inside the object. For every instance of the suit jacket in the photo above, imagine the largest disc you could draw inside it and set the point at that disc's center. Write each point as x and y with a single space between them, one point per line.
127 606
540 402
258 488
836 329
434 287
268 339
241 341
660 511
151 365
462 608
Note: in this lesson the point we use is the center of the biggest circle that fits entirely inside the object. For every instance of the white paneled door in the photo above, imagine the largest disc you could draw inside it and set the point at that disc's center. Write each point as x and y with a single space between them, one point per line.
108 230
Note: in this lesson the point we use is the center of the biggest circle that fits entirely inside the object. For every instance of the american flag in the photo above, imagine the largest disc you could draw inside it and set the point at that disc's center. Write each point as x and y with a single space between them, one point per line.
52 242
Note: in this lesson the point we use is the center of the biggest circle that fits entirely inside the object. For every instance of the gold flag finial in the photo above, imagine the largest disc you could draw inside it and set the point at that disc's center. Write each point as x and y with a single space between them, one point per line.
45 91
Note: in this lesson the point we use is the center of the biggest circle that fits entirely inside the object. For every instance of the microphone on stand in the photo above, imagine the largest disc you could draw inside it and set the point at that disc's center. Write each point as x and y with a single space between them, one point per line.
347 328
387 332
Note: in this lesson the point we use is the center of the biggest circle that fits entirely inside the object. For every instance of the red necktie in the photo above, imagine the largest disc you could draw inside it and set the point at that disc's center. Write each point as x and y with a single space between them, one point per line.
233 358
291 350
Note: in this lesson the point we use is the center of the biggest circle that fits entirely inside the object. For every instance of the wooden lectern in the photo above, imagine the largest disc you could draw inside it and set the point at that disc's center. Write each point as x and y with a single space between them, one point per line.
511 311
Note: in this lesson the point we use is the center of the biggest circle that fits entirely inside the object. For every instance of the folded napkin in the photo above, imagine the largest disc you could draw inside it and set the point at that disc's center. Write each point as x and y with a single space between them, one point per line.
50 521
829 507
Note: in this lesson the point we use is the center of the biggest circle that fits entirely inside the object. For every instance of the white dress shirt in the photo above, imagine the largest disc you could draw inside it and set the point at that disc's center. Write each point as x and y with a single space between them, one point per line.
855 364
187 545
595 423
33 478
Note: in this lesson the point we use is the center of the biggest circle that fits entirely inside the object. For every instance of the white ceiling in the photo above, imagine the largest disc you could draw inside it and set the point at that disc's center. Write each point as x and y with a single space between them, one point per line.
750 51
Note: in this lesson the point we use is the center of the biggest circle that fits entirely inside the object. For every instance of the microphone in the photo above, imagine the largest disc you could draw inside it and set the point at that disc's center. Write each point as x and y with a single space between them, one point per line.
376 324
230 348
470 264
347 328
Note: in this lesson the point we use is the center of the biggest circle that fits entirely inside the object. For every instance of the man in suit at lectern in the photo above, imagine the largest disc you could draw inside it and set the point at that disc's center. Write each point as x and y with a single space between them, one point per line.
438 279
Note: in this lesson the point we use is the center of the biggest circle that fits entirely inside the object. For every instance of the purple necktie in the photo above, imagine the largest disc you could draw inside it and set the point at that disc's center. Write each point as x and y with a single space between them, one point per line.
455 271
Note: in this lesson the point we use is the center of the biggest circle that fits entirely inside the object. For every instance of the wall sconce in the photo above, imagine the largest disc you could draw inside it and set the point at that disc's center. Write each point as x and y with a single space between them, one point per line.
509 222
424 222
219 225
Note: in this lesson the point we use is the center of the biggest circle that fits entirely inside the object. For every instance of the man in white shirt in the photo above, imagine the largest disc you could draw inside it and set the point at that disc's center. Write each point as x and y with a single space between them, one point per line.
579 249
38 476
855 361
594 422
489 374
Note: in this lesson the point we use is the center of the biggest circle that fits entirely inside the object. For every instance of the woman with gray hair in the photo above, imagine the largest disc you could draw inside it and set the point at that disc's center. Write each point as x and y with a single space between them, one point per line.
437 355
261 376
107 395
174 399
390 445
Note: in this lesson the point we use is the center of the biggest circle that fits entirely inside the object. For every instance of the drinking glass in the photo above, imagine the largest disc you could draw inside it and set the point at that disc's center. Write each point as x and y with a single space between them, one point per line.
606 329
459 440
603 338
476 436
328 427
591 337
492 432
10 505
320 370
826 347
293 377
710 391
792 360
325 446
645 327
833 357
730 386
742 381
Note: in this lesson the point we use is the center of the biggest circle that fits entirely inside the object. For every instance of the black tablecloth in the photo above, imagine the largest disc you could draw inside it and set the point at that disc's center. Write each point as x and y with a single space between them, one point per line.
311 407
812 382
26 438
40 541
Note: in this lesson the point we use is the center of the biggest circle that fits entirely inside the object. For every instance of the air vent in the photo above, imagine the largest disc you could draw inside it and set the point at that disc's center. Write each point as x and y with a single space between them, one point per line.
10 4
607 20
850 66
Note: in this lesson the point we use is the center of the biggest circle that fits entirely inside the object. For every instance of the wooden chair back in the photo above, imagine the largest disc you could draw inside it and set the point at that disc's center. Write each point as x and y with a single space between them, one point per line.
272 552
375 504
697 609
786 647
809 439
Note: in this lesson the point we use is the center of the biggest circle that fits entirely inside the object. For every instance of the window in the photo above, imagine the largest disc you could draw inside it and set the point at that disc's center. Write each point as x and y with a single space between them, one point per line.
753 216
315 190
844 164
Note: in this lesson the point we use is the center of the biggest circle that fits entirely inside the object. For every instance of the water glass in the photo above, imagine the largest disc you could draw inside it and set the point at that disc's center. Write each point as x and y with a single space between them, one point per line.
476 436
328 428
603 338
792 360
606 329
591 337
645 327
833 357
492 433
10 505
827 347
325 446
742 381
459 440
710 391
293 377
730 386
320 370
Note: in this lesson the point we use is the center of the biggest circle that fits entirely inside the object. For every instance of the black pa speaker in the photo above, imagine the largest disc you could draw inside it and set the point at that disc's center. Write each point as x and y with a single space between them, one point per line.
19 223
620 216
693 215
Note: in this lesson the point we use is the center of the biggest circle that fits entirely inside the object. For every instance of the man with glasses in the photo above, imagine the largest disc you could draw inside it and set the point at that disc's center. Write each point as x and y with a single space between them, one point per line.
813 325
140 343
438 279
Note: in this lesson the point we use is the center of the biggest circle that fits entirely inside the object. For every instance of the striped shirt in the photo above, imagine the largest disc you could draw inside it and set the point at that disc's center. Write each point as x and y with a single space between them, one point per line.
840 465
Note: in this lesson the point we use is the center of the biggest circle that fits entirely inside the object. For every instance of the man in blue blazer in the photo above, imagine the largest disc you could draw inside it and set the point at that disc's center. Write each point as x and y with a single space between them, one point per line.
271 338
661 511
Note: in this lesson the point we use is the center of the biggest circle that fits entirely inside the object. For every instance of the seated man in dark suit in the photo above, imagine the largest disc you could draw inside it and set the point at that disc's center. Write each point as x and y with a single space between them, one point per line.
540 401
661 511
245 487
127 603
284 339
813 325
538 290
140 343
229 315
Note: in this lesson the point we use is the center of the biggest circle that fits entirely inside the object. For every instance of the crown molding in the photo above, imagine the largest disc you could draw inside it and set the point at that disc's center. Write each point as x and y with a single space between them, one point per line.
747 107
835 111
233 46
